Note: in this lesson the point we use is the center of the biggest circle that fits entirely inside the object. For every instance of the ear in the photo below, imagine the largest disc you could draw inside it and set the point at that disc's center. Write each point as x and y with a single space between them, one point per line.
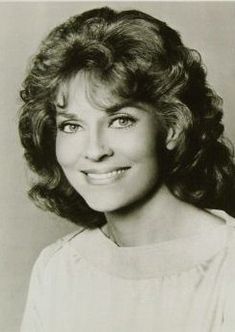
172 137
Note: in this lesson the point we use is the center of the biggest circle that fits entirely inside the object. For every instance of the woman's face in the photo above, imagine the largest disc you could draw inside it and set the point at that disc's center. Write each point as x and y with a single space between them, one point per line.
108 155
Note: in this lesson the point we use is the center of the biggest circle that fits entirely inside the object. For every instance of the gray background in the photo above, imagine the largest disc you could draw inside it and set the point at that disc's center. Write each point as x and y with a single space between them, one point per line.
24 229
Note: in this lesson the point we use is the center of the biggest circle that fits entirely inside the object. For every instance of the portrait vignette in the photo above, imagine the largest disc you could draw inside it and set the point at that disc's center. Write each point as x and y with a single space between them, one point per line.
25 230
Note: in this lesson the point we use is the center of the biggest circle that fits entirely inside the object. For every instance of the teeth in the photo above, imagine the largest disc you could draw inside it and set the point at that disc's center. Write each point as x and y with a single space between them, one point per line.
105 175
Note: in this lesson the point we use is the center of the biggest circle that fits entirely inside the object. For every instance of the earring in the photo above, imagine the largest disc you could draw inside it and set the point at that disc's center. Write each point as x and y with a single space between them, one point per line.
171 139
170 145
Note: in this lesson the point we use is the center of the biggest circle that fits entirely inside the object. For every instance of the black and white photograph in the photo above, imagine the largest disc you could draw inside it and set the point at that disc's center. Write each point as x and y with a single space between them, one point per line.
117 166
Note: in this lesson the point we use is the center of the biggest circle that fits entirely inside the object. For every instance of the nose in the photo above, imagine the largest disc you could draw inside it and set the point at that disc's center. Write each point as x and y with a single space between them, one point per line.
97 148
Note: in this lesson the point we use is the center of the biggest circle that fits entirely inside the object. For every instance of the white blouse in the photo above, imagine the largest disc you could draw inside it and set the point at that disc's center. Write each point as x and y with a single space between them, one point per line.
86 283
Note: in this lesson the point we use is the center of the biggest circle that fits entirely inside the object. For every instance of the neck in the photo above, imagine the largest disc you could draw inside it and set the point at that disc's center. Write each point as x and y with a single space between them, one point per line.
145 222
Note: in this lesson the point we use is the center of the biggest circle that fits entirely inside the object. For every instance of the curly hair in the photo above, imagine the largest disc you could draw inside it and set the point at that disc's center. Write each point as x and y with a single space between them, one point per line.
140 59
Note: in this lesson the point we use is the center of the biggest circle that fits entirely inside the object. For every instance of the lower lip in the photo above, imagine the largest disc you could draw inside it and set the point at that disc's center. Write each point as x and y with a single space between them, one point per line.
111 178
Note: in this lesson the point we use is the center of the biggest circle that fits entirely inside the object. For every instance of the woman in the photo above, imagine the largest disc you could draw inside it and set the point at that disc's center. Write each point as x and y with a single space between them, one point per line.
125 134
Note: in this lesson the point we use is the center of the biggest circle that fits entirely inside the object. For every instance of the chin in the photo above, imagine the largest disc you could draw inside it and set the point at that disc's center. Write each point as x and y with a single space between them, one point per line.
104 206
117 203
125 197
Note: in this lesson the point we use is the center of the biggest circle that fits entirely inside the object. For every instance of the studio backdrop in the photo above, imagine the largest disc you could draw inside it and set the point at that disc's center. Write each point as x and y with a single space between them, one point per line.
208 27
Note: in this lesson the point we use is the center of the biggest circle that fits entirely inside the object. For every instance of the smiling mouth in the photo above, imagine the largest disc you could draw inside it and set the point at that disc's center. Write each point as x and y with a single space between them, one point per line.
103 178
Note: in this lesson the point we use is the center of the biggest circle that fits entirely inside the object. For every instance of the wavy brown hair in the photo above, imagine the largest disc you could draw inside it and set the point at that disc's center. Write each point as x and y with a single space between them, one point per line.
140 59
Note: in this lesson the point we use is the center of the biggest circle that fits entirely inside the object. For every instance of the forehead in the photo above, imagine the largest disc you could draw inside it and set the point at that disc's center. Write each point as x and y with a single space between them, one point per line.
85 88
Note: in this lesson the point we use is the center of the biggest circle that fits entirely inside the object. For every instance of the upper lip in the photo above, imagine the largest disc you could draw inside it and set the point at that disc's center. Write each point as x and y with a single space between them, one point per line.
102 171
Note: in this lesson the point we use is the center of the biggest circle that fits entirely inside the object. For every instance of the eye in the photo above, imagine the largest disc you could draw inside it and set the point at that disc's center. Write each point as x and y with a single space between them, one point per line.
69 128
122 122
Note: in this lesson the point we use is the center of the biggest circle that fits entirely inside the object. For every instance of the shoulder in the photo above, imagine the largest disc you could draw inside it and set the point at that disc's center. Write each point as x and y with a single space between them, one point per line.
227 220
229 276
60 244
55 252
228 271
223 215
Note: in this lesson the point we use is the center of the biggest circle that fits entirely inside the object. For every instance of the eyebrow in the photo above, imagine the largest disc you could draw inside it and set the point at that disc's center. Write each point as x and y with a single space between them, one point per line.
65 114
109 110
117 107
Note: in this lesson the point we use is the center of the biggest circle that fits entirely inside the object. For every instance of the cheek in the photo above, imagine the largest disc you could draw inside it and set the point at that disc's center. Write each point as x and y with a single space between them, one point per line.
67 152
142 146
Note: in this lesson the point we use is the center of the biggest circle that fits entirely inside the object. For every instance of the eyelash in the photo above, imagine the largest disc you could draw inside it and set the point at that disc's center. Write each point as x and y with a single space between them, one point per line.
62 126
127 117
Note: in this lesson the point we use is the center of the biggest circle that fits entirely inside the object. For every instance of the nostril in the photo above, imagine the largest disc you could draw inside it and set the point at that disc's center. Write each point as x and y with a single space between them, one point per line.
98 153
97 145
